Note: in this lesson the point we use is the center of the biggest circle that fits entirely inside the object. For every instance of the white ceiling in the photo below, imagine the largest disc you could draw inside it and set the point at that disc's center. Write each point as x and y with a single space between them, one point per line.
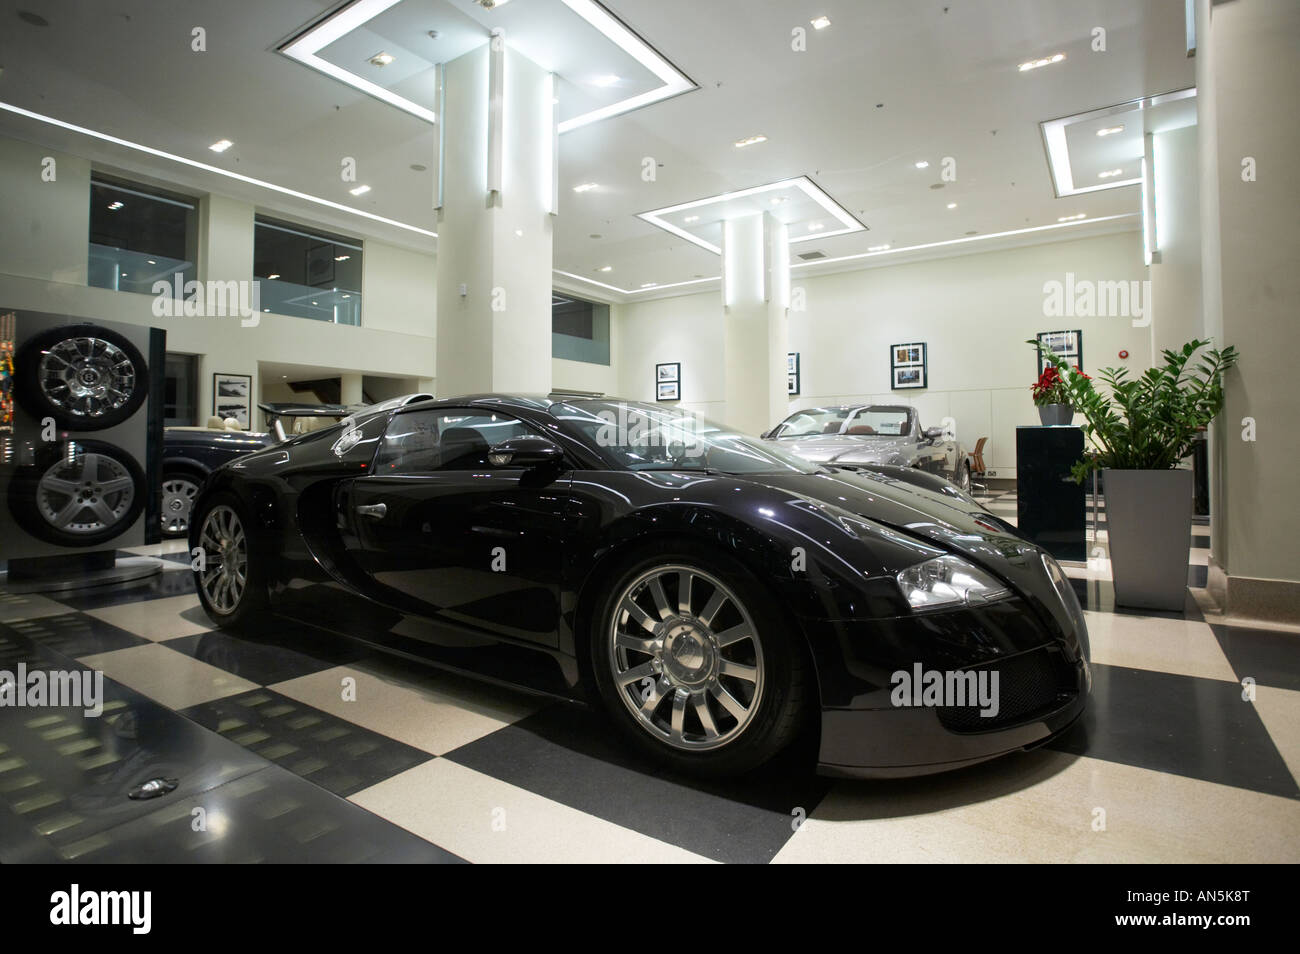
943 73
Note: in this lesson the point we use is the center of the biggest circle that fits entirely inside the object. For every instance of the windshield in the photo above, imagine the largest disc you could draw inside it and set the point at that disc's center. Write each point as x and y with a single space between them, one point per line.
644 437
877 420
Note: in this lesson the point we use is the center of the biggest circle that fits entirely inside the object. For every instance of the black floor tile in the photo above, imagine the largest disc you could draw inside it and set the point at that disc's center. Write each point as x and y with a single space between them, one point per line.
73 634
164 584
574 757
1270 657
259 662
1197 728
335 754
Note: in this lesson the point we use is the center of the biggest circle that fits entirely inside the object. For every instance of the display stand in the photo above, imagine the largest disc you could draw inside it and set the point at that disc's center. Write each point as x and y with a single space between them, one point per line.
76 571
1051 505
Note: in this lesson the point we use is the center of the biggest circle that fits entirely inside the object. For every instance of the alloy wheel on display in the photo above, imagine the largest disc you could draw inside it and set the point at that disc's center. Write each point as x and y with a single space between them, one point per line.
85 494
177 503
223 575
685 658
86 377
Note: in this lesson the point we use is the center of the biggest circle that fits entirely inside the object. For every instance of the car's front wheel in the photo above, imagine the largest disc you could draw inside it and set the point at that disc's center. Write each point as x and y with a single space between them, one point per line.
695 664
228 572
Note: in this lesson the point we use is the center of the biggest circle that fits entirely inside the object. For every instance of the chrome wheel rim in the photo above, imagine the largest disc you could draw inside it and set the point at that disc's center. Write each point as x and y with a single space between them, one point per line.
86 376
224 571
85 493
685 658
177 502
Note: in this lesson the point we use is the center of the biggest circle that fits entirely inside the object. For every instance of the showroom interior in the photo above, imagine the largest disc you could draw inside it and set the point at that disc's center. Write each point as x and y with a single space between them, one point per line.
286 212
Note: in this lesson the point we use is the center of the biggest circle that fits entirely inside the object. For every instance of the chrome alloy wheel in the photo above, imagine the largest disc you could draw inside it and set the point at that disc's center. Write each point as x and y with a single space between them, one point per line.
685 658
177 501
224 572
85 494
87 376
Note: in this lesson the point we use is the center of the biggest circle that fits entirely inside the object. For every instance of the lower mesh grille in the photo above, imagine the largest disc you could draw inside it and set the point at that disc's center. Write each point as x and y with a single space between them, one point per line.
1030 685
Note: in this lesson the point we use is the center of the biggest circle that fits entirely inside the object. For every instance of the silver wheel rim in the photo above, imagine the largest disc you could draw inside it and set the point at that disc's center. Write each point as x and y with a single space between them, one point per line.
685 658
177 502
86 376
85 493
224 571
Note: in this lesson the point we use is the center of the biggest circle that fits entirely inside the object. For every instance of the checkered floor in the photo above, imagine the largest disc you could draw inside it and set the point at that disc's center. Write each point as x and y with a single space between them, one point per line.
294 745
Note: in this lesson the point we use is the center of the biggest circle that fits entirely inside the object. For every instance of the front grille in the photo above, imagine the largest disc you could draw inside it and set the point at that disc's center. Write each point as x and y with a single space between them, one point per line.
1030 685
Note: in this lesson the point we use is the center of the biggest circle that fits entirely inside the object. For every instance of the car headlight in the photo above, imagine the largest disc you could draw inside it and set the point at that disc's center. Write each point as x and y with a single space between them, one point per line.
949 581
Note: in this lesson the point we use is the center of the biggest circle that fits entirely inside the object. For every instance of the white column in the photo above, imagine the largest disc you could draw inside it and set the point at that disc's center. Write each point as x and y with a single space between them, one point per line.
494 230
755 305
350 389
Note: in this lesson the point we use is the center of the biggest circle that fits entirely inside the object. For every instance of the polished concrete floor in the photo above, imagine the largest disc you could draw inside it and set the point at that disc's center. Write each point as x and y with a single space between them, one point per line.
275 760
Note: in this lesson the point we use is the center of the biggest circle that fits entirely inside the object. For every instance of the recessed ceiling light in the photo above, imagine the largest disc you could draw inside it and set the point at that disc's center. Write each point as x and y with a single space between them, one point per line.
221 145
877 248
316 303
1111 130
816 227
519 233
114 206
777 200
821 23
691 218
649 284
605 268
1073 218
921 164
381 59
152 262
1045 61
585 187
124 274
609 79
273 276
347 296
360 190
1110 173
341 258
952 205
742 143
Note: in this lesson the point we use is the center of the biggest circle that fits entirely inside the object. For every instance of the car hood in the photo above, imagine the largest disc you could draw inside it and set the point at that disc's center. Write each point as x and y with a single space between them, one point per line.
869 450
948 523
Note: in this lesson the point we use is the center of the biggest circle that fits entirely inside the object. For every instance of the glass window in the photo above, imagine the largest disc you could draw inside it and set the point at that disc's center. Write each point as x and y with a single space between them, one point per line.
307 273
139 235
579 329
181 390
443 439
875 421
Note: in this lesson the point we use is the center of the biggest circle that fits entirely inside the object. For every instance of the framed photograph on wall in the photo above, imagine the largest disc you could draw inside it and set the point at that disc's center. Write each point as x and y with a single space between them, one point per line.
792 382
1066 344
668 381
908 364
232 396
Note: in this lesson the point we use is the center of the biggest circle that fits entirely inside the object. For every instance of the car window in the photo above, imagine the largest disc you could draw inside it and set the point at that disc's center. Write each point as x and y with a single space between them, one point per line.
443 439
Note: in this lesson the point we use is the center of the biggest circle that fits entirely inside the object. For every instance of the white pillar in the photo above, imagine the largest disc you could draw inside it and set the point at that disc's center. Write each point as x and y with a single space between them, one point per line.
755 305
350 389
494 230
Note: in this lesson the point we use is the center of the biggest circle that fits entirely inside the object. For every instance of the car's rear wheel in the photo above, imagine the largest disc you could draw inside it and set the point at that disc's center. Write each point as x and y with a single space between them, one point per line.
228 573
179 488
963 478
695 664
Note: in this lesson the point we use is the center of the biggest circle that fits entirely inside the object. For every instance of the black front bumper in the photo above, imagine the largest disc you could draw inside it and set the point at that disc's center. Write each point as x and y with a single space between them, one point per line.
1043 684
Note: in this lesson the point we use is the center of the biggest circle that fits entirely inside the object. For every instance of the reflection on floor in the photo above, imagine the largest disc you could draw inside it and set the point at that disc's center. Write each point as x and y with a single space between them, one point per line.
294 745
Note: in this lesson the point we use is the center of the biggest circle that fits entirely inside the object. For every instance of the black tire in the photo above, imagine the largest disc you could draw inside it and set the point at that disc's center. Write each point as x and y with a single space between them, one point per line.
176 500
78 496
84 376
252 605
778 708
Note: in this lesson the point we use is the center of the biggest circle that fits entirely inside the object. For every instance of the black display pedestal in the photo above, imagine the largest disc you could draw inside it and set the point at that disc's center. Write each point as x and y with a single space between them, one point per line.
1050 503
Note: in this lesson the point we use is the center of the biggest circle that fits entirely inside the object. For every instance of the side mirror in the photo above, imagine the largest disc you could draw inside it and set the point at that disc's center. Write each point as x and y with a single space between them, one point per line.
525 451
765 435
933 434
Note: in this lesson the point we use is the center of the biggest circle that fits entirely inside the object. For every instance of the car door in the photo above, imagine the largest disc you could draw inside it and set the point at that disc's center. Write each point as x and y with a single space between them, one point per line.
436 530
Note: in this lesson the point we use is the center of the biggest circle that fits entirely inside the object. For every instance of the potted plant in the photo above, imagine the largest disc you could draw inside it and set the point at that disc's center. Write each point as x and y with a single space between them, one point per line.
1051 391
1140 432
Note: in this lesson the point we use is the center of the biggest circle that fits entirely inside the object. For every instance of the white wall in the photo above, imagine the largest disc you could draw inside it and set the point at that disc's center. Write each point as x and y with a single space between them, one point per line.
399 290
44 225
972 311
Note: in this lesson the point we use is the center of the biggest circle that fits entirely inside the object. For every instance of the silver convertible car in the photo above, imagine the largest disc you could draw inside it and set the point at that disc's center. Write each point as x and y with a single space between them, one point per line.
880 434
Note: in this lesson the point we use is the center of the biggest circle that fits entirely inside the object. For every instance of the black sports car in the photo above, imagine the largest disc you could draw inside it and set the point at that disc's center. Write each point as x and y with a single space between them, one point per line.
712 591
